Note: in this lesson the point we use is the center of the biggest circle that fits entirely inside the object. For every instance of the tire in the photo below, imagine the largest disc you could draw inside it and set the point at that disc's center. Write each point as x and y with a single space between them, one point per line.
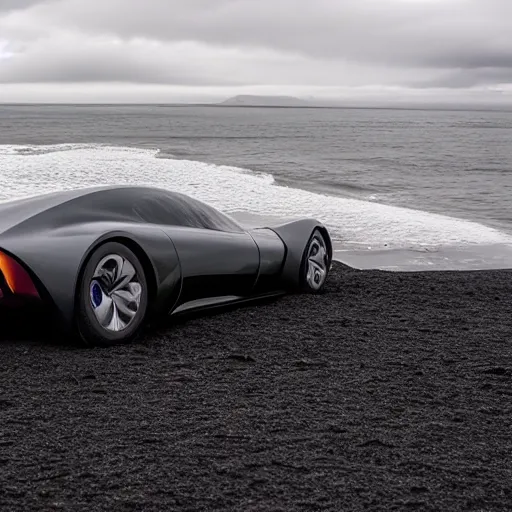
315 265
112 297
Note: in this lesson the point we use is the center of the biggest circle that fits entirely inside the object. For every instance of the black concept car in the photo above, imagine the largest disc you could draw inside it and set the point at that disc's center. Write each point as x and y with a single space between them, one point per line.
104 259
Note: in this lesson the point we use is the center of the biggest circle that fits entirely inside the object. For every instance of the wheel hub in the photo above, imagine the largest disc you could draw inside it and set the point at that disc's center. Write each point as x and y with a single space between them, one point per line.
115 293
96 294
317 263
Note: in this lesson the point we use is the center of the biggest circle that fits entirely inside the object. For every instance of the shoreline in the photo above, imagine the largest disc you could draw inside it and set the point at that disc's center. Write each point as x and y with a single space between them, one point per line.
164 154
441 259
327 191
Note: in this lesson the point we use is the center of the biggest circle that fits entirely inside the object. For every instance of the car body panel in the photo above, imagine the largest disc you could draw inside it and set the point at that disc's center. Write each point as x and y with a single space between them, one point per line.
214 263
272 254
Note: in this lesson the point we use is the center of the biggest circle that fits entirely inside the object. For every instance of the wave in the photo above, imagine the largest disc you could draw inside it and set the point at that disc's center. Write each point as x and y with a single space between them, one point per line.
29 170
43 150
345 188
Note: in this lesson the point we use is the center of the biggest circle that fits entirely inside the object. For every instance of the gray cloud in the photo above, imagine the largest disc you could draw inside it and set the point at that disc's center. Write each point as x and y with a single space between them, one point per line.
411 43
395 32
467 78
14 5
72 61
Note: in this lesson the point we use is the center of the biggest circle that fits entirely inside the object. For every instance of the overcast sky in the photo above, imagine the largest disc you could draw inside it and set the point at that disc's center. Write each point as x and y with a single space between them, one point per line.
206 50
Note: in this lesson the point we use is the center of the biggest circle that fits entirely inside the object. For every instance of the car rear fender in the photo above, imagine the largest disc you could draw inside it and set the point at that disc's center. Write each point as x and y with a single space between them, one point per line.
56 258
295 236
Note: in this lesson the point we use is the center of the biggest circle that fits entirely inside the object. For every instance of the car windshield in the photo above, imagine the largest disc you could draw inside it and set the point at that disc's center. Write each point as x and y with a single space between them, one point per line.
179 210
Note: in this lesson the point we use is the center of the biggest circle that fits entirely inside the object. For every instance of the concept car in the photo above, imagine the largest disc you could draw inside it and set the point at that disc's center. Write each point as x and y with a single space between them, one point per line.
105 259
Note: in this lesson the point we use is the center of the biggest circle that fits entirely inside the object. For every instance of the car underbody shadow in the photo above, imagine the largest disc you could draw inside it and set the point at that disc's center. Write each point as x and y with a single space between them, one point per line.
31 325
167 321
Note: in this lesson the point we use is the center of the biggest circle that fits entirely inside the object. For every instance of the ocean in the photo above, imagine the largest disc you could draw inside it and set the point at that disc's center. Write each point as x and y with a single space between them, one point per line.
398 189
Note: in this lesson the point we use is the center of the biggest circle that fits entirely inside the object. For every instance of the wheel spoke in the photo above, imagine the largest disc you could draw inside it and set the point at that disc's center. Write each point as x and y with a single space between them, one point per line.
125 275
136 290
123 300
116 324
107 271
316 268
320 256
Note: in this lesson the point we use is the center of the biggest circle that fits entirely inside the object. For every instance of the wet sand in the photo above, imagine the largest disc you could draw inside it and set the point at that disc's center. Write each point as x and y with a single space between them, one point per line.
478 257
391 391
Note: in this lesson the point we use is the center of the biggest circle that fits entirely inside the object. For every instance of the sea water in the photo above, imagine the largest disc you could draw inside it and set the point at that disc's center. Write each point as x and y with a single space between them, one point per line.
391 199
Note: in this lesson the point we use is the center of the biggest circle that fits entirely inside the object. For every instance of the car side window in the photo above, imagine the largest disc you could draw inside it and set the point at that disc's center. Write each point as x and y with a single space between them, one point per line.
180 210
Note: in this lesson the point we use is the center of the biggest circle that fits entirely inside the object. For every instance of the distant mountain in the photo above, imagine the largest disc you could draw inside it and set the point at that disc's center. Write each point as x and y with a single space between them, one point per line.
246 100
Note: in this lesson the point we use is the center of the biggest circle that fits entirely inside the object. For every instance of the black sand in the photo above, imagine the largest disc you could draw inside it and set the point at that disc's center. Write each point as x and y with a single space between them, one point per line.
388 392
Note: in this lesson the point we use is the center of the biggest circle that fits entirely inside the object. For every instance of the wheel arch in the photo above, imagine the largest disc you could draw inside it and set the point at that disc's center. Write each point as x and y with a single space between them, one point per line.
136 248
327 238
295 235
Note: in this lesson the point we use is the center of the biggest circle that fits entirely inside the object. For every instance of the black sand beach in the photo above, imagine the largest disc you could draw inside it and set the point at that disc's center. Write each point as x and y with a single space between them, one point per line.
391 391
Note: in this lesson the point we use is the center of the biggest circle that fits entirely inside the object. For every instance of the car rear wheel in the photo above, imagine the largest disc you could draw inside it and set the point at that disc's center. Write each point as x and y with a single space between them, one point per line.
112 296
316 263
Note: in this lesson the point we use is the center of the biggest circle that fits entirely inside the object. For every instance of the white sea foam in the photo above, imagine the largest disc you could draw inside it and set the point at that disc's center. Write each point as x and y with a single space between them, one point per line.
26 170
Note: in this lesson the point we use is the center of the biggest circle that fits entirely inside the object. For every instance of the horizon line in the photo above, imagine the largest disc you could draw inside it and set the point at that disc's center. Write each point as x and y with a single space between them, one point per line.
426 106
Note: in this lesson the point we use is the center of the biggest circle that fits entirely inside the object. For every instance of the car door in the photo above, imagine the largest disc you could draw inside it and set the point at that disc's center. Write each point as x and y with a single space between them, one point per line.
217 257
214 263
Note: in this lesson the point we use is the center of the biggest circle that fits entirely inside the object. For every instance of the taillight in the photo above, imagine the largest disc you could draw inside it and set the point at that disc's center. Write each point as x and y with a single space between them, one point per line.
16 278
